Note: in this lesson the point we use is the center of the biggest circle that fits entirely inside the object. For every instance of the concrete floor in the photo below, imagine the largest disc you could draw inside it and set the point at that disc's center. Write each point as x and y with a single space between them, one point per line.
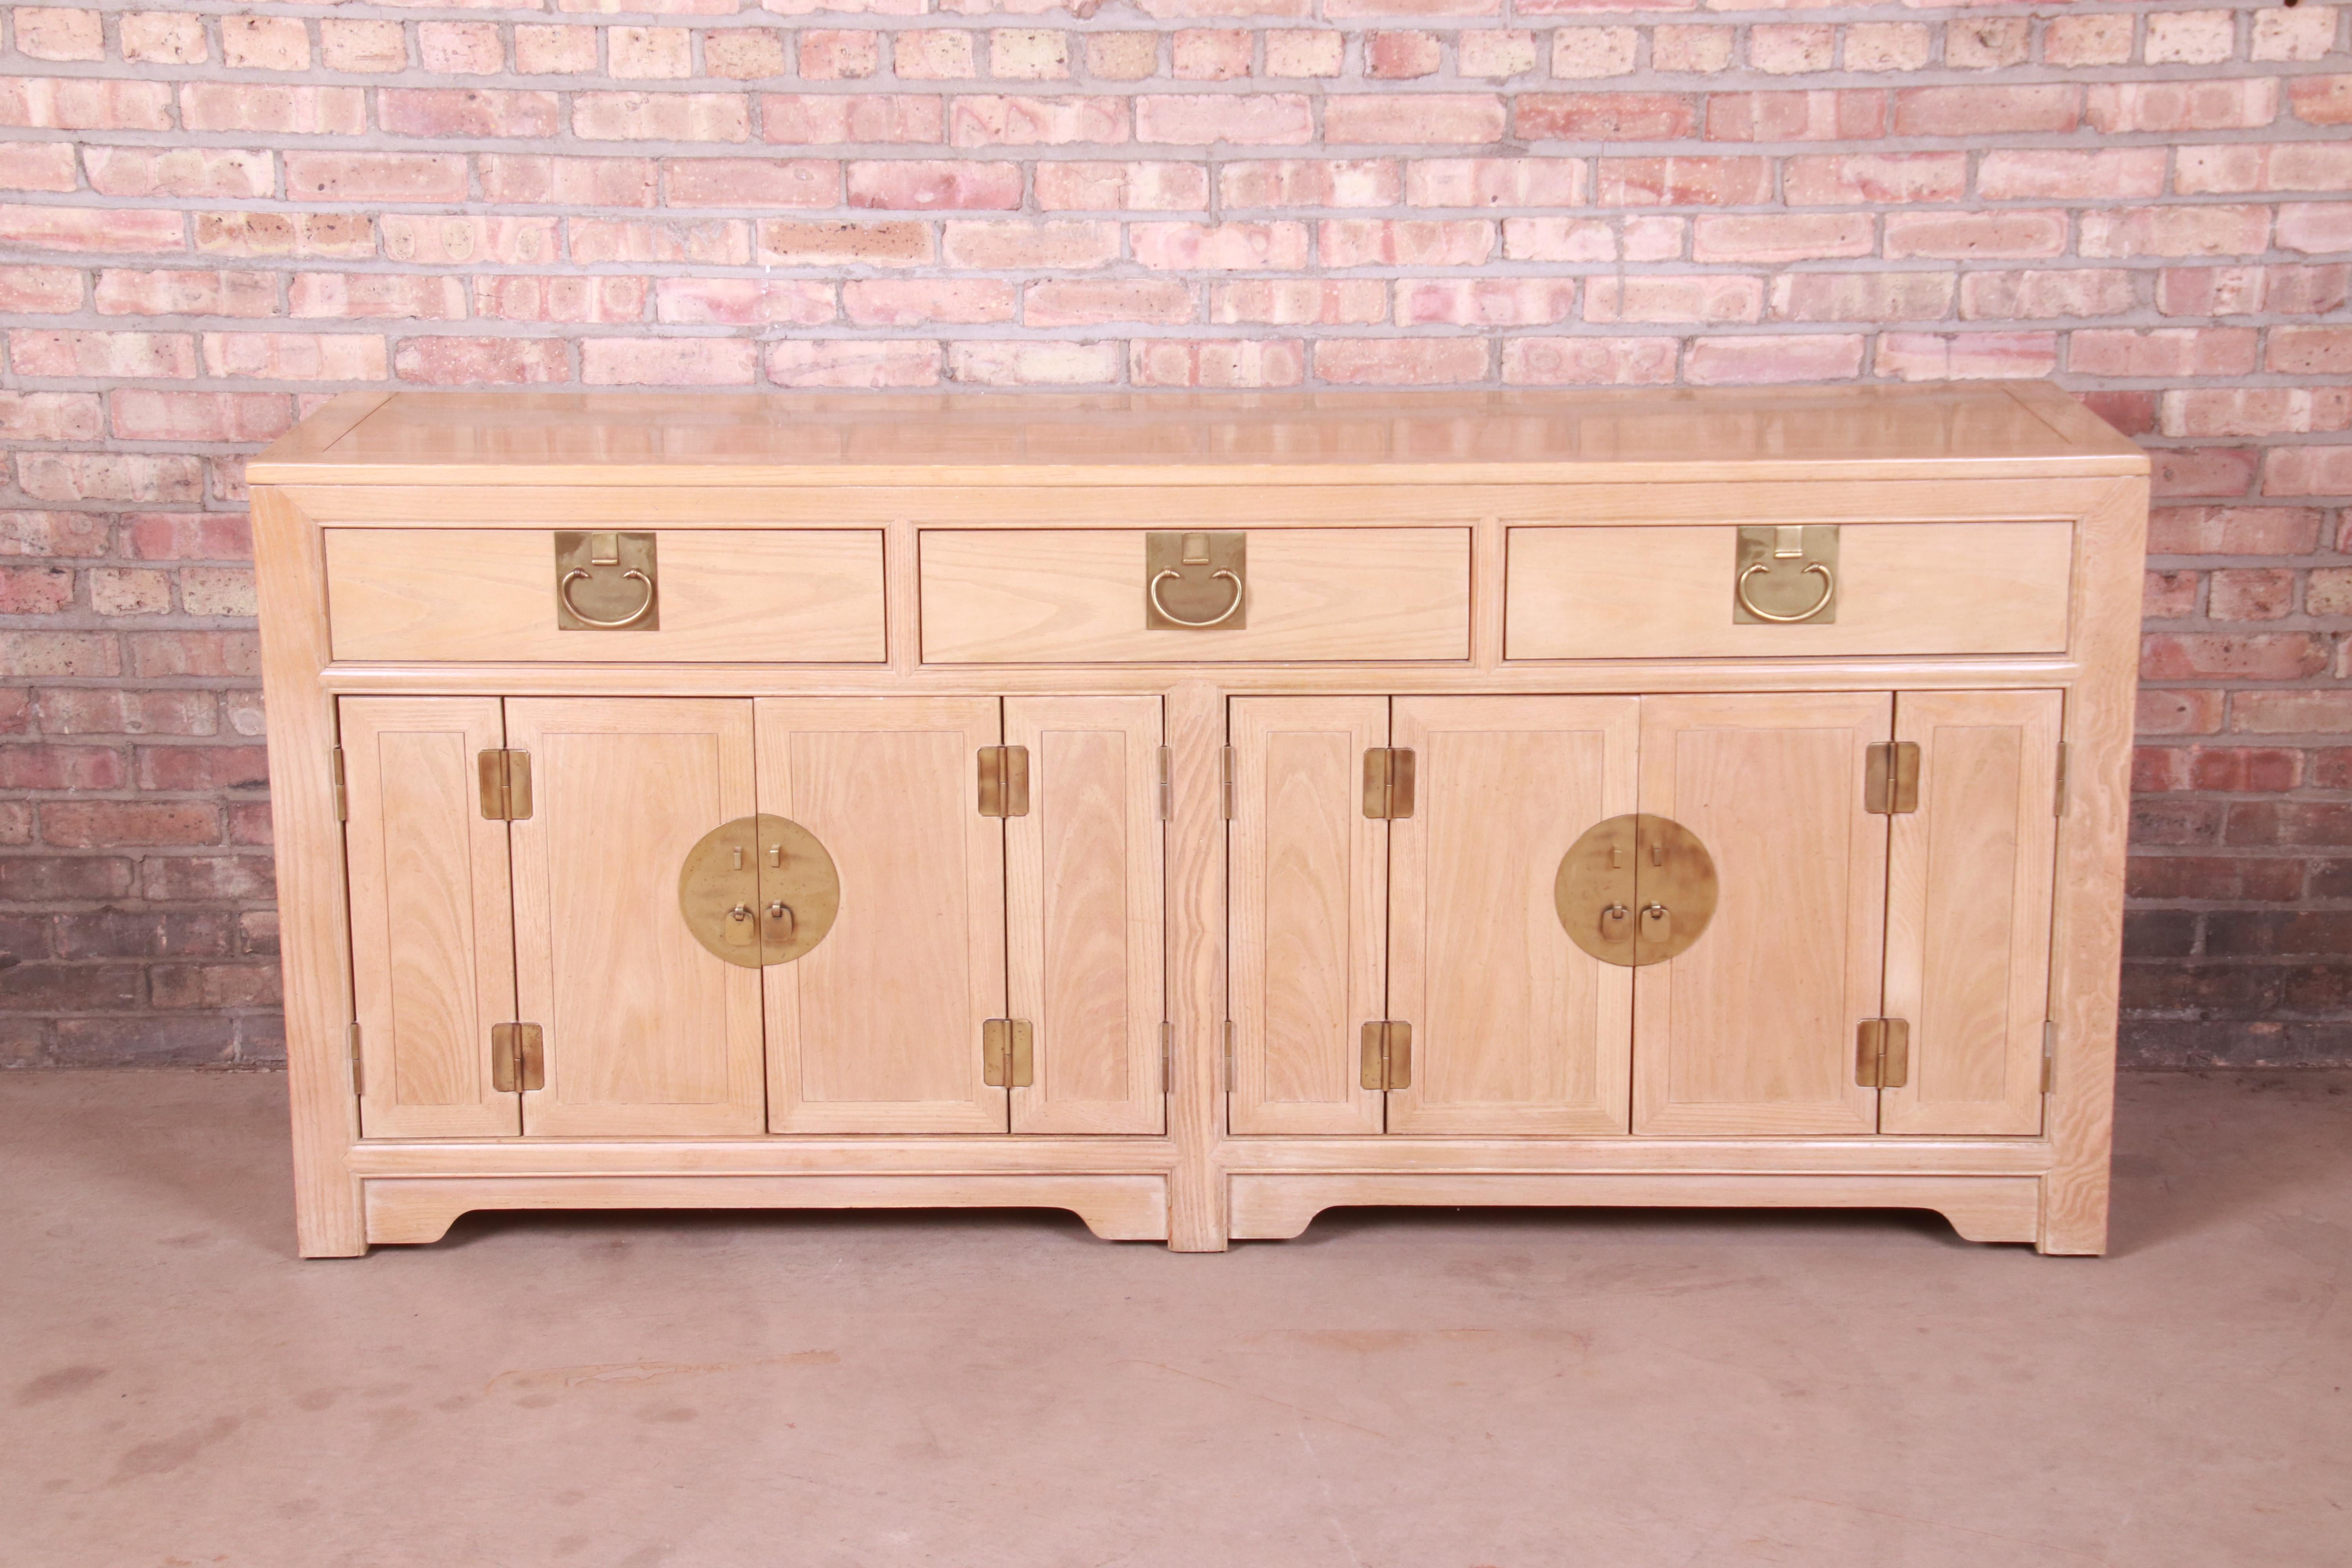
1395 1390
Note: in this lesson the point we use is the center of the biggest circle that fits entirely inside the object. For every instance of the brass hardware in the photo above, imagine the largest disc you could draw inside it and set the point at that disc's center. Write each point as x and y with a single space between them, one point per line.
1229 1056
1388 783
1635 889
1167 1054
1008 1055
342 796
1193 582
1783 575
1167 785
506 785
1881 1052
1225 779
2058 807
359 1064
1004 781
2049 1055
1387 1055
606 583
758 891
1890 785
518 1057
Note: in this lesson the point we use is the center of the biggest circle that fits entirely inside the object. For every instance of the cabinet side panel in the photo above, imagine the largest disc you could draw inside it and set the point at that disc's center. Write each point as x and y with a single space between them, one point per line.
431 916
1969 880
1084 913
1308 913
1751 1029
1515 1029
877 1028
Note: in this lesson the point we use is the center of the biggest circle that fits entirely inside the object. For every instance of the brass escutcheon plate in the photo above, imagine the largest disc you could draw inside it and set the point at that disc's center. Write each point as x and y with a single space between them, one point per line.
758 891
606 583
1785 575
1195 580
1635 889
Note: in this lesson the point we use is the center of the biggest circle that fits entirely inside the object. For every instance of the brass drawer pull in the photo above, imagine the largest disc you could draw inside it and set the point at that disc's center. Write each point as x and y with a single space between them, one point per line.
1218 619
563 589
1828 591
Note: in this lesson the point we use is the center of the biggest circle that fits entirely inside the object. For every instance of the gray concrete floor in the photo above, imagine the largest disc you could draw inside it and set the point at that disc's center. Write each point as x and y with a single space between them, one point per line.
1393 1390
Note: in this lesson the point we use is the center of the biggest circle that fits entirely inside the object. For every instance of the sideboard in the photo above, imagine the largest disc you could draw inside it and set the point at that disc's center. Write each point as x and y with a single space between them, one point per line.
1197 812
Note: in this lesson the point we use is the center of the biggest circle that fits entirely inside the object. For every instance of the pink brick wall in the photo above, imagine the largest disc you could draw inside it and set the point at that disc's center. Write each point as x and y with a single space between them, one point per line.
210 217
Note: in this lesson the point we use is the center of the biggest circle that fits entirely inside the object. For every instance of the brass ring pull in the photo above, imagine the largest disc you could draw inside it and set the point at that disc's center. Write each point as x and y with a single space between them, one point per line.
1612 922
1828 591
1223 615
563 591
782 913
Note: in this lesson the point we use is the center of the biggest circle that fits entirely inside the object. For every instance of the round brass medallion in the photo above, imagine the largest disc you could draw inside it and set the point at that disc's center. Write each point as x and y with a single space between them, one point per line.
1635 889
758 891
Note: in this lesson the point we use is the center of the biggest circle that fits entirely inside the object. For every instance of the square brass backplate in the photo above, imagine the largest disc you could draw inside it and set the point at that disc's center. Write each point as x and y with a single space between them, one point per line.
1785 575
606 583
1195 582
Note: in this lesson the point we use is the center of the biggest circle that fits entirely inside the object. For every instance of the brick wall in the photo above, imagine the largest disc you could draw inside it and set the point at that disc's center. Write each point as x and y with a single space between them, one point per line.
212 216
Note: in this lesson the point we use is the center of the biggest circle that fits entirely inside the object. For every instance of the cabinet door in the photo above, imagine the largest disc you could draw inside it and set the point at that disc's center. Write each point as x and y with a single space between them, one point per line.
1967 920
1308 879
646 1033
1516 1029
1751 1029
877 1028
1083 913
431 917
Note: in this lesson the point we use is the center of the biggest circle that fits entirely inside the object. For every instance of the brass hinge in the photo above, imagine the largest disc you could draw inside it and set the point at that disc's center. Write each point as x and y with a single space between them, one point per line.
518 1057
1229 1056
1387 782
1167 782
1008 1055
1881 1052
2064 755
359 1064
1004 781
342 796
1387 1055
1167 1055
1225 779
2049 1055
506 785
1891 781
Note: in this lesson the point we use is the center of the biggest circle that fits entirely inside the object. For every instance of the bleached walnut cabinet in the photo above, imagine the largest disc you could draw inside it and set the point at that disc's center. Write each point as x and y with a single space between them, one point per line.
1200 812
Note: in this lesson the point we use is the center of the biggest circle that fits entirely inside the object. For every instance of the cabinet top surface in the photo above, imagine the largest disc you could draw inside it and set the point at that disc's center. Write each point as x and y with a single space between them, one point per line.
1982 429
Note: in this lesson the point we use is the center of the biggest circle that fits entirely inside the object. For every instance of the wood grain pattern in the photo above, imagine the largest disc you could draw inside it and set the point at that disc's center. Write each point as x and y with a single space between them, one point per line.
1085 939
1751 1029
1309 913
1028 597
1198 878
1515 1029
772 595
877 1028
1968 884
433 962
1902 588
646 1031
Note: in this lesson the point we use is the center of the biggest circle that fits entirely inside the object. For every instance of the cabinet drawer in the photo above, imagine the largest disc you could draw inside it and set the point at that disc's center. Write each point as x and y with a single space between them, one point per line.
1902 588
798 594
1078 595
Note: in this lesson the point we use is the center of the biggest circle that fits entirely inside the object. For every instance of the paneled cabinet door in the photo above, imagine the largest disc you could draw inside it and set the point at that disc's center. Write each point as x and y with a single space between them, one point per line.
1082 915
1308 911
877 1028
431 917
1967 922
1516 1029
646 1032
1751 1029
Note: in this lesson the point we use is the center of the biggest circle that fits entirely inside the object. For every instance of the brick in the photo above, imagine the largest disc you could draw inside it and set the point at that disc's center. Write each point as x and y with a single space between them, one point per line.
1221 54
834 55
1821 115
1980 235
2046 292
744 54
1773 238
126 823
376 176
2169 596
349 235
2202 471
1037 54
53 533
2196 711
1131 56
1220 364
916 184
1034 364
2256 411
864 366
1966 356
1587 54
460 49
49 416
204 879
1838 179
152 414
558 50
1588 361
2315 227
54 352
50 878
2045 174
84 103
2260 655
1495 182
578 182
264 43
44 166
1062 186
1711 299
2190 38
2096 40
933 54
790 243
1601 117
461 241
1887 46
1695 50
1084 302
144 933
116 591
2284 33
668 361
1558 239
1790 48
295 356
201 171
1675 181
108 476
2321 99
117 230
187 535
752 181
2251 594
1727 360
36 591
2234 530
217 591
649 54
200 768
2215 230
491 362
2310 351
477 111
1301 301
2307 471
1484 301
169 38
1311 182
1401 361
2116 108
661 116
1205 119
1985 111
991 121
2268 823
1219 247
560 299
284 110
2214 876
908 302
72 987
1495 54
40 290
2162 352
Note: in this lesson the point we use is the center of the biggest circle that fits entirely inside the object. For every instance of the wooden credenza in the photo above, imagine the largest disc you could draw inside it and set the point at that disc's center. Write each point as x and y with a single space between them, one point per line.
1198 812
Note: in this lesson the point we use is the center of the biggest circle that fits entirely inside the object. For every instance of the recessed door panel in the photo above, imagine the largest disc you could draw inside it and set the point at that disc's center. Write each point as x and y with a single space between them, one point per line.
646 1033
1751 1030
1309 915
1969 895
431 917
878 1029
1517 1029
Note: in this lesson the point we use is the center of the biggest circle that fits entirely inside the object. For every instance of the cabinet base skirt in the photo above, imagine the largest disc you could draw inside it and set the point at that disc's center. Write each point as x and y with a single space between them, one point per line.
422 1209
1274 1207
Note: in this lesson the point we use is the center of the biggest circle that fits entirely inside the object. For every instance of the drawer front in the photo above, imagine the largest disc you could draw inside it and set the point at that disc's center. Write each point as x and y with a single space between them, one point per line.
448 593
1902 588
1077 597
